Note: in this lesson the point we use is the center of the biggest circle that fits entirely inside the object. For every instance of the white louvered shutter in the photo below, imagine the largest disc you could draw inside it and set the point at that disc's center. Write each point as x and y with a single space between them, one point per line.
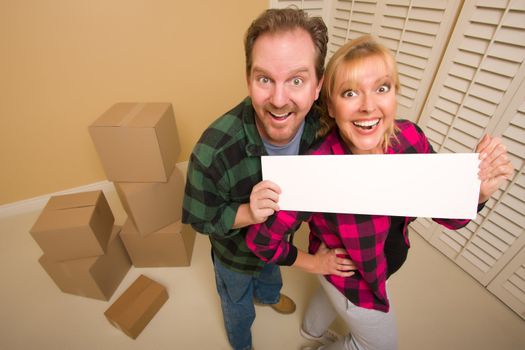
476 86
349 20
416 31
509 285
479 88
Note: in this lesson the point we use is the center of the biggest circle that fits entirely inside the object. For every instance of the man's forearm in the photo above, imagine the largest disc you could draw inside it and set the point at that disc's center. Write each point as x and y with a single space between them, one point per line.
243 217
305 261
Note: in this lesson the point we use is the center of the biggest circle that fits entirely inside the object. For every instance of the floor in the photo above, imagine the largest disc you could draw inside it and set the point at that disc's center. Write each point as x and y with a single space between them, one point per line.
437 305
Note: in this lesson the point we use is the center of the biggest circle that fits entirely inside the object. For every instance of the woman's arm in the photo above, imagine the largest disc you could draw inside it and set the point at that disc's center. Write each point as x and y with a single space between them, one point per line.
268 240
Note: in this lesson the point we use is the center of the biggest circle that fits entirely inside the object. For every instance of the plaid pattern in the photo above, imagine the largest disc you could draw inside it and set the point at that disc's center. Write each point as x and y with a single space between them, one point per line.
224 166
363 236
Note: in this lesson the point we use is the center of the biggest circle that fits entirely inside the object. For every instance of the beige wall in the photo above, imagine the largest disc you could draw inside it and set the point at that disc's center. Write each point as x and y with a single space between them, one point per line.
64 62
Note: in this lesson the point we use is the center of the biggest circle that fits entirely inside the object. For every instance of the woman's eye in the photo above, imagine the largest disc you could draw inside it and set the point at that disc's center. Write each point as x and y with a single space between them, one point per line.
297 81
349 93
384 88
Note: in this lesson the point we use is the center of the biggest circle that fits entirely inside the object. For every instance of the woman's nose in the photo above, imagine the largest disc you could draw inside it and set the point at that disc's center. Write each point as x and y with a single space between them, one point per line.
368 104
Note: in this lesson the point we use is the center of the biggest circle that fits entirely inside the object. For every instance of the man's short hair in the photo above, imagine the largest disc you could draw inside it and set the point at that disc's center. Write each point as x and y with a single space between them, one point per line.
282 20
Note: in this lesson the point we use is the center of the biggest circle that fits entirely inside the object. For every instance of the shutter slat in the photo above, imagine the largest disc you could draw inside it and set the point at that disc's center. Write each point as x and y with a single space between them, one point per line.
475 117
459 85
490 16
475 45
492 238
487 248
486 93
451 243
468 59
467 141
511 36
495 81
480 30
514 19
498 66
480 263
513 289
478 104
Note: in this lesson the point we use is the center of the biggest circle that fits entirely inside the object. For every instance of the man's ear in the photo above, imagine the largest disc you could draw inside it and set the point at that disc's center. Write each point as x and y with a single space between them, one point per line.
318 88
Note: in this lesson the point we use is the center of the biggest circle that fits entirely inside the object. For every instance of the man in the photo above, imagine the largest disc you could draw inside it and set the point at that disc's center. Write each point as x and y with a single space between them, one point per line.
285 52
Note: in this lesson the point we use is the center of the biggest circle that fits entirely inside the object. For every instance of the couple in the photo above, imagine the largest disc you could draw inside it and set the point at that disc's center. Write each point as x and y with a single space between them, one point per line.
353 255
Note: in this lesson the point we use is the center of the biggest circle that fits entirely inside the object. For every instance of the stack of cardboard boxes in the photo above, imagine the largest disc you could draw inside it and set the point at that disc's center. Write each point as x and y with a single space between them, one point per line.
138 146
83 252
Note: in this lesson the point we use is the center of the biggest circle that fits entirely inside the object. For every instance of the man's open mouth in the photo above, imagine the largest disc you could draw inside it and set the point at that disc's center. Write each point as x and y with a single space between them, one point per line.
280 116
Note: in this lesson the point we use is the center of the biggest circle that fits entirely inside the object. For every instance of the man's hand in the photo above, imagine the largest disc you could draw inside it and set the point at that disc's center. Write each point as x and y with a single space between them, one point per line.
494 167
333 262
263 201
326 262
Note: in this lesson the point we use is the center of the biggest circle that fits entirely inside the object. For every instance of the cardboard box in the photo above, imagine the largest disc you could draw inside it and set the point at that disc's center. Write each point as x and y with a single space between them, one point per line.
137 142
169 246
74 226
96 277
135 308
153 205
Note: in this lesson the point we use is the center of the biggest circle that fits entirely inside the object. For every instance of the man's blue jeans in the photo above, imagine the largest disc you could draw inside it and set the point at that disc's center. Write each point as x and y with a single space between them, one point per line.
237 292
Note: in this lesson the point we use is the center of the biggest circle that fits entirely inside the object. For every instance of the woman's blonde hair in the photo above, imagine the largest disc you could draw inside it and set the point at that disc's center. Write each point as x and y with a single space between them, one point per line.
350 57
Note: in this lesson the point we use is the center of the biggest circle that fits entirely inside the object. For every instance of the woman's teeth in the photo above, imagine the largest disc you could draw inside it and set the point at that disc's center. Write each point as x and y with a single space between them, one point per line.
366 124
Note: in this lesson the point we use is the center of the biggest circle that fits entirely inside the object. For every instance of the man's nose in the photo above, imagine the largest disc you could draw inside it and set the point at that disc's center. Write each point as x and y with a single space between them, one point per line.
279 96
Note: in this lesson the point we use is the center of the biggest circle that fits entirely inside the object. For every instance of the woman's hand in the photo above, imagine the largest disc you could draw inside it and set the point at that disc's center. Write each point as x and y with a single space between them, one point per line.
495 166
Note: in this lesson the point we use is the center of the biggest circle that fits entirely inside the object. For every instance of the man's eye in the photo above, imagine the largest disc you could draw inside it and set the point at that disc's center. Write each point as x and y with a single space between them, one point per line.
297 81
349 93
264 80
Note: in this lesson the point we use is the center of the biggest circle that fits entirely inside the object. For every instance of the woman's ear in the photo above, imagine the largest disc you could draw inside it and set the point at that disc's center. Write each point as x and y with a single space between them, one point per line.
331 113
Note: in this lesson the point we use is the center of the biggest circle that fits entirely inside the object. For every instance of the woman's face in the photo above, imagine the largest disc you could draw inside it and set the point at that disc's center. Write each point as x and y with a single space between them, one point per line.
363 104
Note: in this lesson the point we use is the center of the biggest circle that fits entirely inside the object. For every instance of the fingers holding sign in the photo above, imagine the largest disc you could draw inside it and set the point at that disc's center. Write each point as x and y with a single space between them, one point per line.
263 200
495 166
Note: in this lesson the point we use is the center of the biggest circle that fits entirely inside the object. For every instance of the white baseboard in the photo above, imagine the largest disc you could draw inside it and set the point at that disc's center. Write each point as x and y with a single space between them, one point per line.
37 203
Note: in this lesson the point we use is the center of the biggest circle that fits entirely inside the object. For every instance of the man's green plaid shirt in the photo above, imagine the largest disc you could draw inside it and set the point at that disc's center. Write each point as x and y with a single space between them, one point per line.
224 166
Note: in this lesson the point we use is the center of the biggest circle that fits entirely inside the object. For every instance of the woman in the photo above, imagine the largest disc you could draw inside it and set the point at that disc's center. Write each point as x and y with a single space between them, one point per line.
359 95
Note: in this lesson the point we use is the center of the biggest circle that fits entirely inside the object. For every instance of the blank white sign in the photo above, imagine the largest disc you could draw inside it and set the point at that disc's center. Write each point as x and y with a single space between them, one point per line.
418 185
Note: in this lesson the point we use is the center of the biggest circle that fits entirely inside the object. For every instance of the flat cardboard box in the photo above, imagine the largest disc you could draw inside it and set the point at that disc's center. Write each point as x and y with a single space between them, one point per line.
153 205
74 226
167 247
137 142
135 308
96 277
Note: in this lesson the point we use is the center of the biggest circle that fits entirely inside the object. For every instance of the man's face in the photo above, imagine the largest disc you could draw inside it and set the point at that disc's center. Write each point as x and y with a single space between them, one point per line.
282 83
